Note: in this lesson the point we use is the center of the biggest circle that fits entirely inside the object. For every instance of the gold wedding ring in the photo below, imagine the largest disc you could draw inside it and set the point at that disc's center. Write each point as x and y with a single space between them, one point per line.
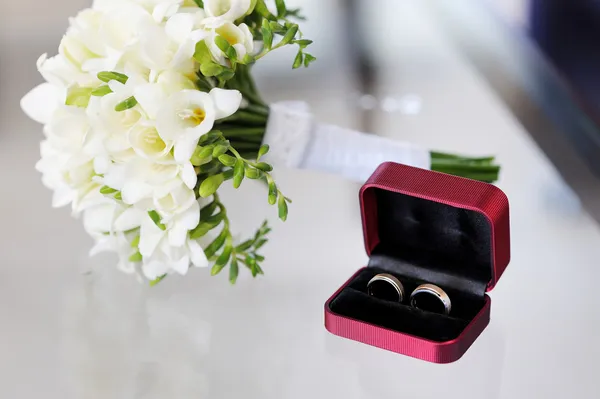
429 297
386 286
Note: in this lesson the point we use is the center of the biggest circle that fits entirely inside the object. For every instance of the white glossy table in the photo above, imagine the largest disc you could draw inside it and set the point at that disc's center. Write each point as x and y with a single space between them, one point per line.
66 332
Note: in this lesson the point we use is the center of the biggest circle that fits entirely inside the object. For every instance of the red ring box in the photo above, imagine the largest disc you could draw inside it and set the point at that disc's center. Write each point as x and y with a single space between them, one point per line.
425 227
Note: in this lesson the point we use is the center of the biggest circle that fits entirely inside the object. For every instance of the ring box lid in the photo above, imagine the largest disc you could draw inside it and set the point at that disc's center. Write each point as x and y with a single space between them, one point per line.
437 225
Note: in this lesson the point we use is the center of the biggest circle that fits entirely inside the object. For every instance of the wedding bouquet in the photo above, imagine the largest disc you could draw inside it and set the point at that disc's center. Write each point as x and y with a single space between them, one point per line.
150 107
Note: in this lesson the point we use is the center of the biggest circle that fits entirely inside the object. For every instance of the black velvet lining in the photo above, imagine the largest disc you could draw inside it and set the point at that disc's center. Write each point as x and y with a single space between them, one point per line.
434 242
422 241
354 302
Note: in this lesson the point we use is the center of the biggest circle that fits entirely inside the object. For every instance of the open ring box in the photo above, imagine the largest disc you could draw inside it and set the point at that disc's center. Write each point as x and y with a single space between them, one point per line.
425 227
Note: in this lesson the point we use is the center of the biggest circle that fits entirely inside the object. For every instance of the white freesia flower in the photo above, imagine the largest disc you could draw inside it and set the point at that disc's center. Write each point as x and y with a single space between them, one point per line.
167 259
59 71
165 251
41 102
68 129
122 26
239 37
152 95
228 10
128 171
51 166
147 143
114 227
165 9
119 243
189 114
141 180
171 47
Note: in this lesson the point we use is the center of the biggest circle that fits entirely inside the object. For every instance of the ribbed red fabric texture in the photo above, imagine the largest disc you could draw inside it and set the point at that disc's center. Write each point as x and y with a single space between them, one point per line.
451 190
405 344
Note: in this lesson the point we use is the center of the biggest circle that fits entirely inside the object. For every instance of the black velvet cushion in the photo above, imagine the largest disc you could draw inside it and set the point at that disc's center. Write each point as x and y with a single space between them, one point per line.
420 242
448 242
354 302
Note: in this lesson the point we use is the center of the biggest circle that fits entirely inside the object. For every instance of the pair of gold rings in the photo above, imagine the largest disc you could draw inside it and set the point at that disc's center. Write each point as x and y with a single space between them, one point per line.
427 297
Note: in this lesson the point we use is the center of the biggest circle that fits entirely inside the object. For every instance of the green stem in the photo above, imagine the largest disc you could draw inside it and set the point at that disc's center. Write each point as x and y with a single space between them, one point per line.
246 118
256 132
488 177
246 147
262 110
465 167
249 154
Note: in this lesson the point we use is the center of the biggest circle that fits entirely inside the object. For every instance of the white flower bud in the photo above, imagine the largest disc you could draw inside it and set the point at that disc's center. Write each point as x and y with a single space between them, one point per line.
228 10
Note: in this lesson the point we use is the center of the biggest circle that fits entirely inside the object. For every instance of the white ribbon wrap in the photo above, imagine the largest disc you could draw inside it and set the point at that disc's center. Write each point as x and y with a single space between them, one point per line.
298 141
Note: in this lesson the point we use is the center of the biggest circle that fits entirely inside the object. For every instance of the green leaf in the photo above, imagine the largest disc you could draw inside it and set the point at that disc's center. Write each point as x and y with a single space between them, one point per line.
78 96
101 91
252 173
234 271
262 9
108 76
264 227
223 258
303 42
226 75
156 219
272 193
202 155
281 8
136 242
136 258
228 174
216 219
107 190
206 152
208 210
231 53
260 244
265 167
118 196
222 44
228 160
154 283
202 53
298 60
267 34
220 150
264 150
308 59
216 269
211 69
295 12
126 104
248 59
154 216
204 227
211 184
210 138
217 244
289 36
244 246
276 27
238 173
251 263
200 3
283 208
